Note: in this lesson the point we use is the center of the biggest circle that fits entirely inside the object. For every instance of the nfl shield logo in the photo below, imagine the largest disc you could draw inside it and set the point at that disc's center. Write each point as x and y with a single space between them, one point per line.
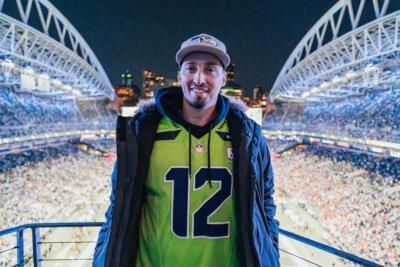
229 153
199 148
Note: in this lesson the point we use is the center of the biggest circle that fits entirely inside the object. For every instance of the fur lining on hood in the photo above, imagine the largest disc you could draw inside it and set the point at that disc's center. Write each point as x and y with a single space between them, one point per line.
146 105
237 104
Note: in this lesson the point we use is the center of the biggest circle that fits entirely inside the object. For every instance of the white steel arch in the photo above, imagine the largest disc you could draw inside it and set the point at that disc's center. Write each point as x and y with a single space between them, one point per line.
34 34
355 45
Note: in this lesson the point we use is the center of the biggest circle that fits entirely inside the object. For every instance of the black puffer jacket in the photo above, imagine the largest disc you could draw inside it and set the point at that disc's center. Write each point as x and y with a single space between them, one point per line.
253 184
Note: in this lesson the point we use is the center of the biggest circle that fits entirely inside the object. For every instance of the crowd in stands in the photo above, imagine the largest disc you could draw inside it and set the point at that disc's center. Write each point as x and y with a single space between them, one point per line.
43 193
24 108
29 157
23 113
375 115
384 166
12 160
64 185
354 197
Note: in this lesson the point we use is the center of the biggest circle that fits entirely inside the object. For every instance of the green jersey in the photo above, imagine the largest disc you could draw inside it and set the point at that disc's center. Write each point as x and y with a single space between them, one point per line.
188 218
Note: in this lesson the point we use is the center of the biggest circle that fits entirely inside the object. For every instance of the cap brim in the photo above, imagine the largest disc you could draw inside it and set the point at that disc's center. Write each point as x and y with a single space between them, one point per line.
182 53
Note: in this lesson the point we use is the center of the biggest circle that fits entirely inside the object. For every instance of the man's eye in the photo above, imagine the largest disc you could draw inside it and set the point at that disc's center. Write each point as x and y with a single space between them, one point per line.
190 68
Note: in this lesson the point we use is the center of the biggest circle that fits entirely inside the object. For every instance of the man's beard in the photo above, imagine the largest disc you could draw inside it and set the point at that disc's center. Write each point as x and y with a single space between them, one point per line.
197 104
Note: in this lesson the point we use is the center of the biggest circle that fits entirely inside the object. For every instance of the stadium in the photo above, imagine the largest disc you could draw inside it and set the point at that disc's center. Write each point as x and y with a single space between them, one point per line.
334 129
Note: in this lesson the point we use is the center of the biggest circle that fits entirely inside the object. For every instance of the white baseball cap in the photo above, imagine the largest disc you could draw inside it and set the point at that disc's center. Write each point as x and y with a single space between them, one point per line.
203 43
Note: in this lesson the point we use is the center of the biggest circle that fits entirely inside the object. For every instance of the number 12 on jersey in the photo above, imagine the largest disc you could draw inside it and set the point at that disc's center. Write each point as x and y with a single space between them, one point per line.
180 202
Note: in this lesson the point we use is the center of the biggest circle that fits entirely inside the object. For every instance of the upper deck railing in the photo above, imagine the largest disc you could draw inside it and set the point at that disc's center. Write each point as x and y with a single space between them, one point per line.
41 254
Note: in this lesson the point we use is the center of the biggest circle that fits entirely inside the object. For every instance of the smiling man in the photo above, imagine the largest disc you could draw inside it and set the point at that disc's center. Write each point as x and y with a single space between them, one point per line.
201 77
193 181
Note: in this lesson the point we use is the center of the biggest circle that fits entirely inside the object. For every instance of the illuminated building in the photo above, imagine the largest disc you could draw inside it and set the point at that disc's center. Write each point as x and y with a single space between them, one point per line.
152 82
126 79
236 92
258 92
230 72
259 97
232 88
127 92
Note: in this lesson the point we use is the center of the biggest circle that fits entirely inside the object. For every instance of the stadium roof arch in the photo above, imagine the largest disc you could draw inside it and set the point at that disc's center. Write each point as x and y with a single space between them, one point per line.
37 40
352 48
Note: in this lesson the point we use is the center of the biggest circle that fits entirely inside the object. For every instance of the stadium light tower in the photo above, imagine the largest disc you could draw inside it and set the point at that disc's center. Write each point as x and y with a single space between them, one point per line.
34 32
330 55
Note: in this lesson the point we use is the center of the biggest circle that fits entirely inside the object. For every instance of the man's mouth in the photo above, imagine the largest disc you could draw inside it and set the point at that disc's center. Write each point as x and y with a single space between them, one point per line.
199 90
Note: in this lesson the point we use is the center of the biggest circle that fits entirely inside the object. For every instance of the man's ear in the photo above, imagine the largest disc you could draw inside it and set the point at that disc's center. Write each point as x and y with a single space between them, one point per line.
178 76
225 78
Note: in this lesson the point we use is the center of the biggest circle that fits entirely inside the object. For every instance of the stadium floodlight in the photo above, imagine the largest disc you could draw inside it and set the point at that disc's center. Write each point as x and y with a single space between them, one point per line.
7 64
315 90
339 80
28 70
56 82
335 80
351 75
371 68
44 76
67 88
76 92
324 85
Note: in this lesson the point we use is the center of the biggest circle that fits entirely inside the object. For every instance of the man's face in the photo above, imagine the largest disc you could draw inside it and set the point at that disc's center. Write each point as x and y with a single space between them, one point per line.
201 77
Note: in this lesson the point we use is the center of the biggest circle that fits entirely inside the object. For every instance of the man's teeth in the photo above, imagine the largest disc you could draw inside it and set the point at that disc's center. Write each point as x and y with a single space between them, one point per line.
199 90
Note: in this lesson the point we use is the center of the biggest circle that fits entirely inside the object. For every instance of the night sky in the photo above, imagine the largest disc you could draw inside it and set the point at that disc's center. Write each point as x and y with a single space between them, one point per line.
135 35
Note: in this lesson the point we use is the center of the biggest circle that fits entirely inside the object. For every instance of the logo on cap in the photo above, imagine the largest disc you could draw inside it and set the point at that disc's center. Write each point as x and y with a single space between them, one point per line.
205 40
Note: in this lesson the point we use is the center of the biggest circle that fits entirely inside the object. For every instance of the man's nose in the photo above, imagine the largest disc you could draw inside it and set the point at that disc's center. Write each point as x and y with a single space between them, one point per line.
199 77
